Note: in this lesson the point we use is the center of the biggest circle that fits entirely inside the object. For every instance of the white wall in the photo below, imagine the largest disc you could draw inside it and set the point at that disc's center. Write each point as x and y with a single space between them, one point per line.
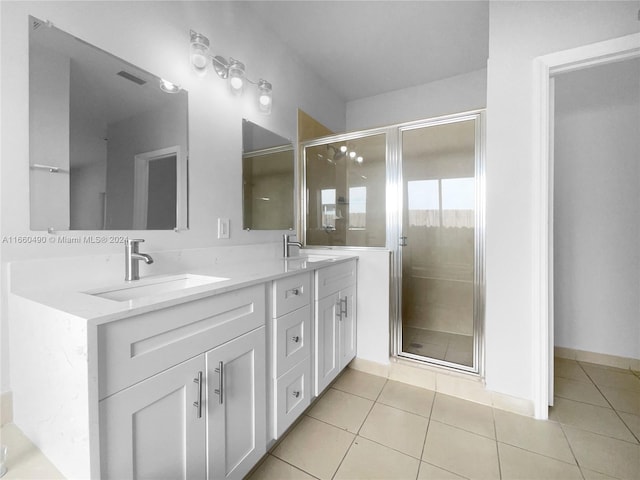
450 95
155 36
520 32
597 209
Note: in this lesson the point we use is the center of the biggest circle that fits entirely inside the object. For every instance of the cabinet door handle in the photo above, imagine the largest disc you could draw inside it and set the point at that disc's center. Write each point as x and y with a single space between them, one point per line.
296 394
296 291
296 339
198 403
219 391
344 310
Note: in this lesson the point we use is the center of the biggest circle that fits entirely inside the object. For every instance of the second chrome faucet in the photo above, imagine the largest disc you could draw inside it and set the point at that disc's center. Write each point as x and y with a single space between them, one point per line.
131 258
286 243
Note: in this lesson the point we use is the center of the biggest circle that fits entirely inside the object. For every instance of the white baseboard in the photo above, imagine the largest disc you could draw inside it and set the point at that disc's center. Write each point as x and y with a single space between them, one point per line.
6 408
599 358
443 381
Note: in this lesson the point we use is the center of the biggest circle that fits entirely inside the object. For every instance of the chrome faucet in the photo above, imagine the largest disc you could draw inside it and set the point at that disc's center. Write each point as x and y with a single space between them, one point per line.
131 258
286 243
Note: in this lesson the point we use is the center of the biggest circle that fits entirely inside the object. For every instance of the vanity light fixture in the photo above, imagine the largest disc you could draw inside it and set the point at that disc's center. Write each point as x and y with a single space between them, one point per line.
199 52
264 99
232 70
236 76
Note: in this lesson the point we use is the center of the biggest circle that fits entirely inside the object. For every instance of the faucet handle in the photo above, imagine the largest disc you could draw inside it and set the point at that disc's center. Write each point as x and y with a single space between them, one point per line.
133 241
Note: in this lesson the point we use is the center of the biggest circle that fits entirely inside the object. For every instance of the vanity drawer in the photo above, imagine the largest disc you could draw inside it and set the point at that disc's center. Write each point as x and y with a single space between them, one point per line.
135 348
292 340
334 278
293 395
291 293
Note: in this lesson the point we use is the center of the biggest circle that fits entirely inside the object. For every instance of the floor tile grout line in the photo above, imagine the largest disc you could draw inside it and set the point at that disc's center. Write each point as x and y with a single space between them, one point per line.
566 437
610 404
424 444
344 456
294 466
465 430
520 447
586 403
390 448
373 404
495 434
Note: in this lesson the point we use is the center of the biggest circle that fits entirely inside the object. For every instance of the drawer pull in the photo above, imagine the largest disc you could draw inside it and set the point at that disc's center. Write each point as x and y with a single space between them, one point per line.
296 291
296 339
296 394
198 403
219 391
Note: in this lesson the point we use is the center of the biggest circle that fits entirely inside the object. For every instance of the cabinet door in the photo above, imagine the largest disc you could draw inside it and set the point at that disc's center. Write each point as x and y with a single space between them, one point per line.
347 319
153 430
236 405
326 342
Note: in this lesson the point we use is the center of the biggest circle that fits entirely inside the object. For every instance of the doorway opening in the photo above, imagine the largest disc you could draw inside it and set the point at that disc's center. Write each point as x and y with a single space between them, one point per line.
545 68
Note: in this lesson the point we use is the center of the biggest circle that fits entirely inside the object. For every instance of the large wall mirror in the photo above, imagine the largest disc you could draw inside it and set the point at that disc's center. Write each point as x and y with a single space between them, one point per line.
267 178
108 142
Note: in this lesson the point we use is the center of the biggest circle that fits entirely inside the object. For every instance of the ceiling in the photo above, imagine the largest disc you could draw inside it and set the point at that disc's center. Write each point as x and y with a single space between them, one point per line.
365 48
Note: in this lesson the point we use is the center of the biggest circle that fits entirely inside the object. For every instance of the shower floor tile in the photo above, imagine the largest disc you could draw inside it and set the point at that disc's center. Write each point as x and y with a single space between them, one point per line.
450 347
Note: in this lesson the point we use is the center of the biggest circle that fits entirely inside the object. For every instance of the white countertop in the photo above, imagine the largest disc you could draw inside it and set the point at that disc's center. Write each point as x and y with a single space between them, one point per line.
97 310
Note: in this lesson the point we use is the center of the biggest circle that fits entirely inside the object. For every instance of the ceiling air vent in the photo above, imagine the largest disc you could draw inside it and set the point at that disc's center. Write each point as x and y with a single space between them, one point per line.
133 78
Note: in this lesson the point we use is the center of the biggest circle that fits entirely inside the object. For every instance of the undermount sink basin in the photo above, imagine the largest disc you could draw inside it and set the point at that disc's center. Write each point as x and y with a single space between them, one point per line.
154 287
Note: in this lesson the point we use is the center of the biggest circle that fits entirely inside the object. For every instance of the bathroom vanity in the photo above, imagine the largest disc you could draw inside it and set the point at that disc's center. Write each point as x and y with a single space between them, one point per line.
190 375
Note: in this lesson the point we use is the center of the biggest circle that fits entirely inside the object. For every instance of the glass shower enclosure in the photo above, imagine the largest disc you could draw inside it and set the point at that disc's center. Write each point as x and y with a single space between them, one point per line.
416 189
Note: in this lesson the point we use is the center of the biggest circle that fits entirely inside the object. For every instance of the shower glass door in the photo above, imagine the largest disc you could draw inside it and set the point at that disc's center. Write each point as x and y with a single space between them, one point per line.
440 272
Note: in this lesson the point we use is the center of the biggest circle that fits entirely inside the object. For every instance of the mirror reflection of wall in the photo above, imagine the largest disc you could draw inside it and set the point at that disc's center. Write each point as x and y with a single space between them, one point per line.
268 179
108 145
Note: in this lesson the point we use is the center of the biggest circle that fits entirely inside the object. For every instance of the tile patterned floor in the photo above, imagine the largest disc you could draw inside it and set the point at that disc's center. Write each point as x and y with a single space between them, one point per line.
367 427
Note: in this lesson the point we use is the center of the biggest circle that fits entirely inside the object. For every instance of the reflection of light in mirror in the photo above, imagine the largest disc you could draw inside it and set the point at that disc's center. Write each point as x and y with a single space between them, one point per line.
168 87
360 159
266 199
343 149
352 154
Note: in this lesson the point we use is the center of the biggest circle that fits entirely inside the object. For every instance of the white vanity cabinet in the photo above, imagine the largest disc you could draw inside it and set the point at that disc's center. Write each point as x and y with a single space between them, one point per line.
204 417
153 430
236 406
290 364
335 322
191 385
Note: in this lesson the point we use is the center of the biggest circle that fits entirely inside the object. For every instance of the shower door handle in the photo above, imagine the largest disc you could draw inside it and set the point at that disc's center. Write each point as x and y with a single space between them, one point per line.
403 241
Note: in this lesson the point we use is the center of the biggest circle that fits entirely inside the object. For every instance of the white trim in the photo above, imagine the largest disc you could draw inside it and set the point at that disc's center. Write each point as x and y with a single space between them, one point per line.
544 67
141 186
